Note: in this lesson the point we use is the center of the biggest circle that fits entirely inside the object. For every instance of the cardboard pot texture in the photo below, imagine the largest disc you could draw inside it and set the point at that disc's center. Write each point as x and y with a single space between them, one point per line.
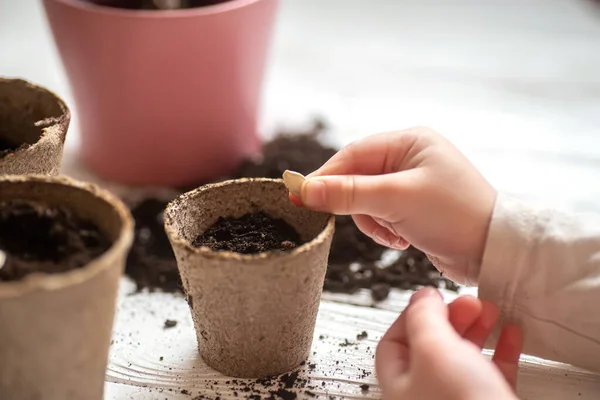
254 315
37 118
56 329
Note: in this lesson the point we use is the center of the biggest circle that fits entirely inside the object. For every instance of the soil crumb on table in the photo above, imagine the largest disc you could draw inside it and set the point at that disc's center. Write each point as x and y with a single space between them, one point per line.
39 238
250 234
170 323
353 257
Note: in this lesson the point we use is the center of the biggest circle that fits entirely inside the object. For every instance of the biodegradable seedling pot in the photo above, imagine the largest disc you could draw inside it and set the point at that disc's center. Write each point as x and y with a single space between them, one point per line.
254 315
33 127
56 328
165 97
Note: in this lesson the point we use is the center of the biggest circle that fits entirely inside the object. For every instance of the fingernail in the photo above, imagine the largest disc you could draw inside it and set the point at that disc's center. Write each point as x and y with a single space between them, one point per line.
380 237
313 193
296 200
423 293
400 244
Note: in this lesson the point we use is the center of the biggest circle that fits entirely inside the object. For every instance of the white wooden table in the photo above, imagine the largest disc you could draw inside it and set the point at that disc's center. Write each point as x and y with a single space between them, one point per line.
514 83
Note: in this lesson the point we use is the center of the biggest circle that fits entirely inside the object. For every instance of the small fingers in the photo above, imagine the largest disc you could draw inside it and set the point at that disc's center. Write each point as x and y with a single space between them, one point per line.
392 355
385 196
348 194
427 320
378 233
376 154
464 312
479 332
507 353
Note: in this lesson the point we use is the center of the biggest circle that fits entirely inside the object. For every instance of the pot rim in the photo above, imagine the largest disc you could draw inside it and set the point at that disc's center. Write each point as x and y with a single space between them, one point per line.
59 281
51 123
177 240
214 9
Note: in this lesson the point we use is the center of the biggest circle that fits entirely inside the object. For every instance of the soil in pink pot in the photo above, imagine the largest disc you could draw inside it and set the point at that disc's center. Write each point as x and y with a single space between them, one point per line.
151 5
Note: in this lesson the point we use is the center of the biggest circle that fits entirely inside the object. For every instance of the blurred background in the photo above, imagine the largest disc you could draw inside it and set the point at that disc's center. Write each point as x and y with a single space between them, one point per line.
514 83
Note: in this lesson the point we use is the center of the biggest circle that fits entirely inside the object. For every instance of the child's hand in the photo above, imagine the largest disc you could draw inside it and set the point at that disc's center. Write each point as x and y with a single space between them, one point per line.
412 187
433 351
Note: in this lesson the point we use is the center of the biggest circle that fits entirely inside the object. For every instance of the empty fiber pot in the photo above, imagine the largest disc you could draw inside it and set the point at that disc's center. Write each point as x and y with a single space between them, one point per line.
254 314
33 127
65 244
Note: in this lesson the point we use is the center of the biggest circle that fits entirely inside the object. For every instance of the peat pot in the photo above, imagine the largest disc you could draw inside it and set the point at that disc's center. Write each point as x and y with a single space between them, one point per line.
254 314
33 128
56 325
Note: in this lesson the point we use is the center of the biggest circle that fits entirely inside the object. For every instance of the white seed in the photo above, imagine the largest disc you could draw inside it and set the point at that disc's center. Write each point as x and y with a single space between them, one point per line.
293 181
2 258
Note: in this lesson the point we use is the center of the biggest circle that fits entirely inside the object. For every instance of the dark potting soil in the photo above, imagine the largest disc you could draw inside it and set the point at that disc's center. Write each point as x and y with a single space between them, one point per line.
154 5
362 336
296 151
410 271
170 323
250 234
38 238
353 255
151 262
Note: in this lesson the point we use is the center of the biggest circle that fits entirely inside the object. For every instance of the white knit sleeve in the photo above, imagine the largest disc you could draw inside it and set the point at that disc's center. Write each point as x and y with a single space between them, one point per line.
542 268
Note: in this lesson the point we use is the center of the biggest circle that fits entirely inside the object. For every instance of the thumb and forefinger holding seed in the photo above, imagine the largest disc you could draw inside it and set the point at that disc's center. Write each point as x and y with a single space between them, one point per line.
366 198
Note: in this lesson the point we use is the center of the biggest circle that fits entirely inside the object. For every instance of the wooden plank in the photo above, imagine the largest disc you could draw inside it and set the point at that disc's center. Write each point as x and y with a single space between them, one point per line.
161 361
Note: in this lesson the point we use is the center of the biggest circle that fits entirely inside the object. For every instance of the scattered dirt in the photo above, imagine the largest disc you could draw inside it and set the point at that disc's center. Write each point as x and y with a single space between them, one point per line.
350 245
170 323
151 262
150 5
353 257
284 387
380 291
250 234
297 151
289 386
38 238
410 271
362 336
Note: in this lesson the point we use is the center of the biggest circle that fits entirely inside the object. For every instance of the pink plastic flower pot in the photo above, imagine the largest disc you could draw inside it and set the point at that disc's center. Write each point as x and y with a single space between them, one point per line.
165 97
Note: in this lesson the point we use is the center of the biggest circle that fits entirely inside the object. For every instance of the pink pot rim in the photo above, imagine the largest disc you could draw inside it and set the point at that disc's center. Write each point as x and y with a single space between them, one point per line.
85 6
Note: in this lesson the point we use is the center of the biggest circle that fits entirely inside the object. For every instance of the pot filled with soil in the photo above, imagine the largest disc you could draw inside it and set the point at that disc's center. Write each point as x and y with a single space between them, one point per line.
33 127
63 245
252 266
167 91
